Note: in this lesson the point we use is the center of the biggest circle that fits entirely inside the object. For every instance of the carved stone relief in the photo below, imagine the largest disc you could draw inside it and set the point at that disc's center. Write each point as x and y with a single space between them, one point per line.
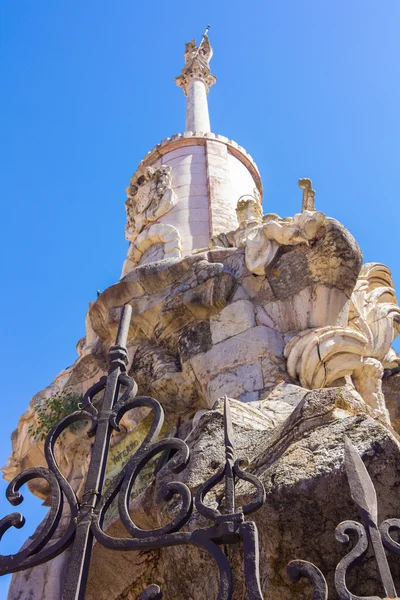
150 196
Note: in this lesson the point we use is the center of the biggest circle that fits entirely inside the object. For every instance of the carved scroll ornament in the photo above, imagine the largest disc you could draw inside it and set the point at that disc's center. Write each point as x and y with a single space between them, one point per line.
158 233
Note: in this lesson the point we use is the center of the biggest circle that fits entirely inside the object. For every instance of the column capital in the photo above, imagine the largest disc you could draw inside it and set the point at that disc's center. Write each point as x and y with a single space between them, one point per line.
196 65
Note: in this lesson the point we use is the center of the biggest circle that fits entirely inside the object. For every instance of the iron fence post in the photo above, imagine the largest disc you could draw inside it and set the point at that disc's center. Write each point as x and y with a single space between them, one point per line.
78 567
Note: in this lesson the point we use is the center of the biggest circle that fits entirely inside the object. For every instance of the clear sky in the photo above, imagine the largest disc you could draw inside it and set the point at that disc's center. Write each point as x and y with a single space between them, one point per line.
311 88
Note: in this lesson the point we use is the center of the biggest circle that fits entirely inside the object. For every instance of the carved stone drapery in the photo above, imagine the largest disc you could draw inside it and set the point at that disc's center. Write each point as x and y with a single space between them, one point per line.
150 196
263 241
261 236
319 357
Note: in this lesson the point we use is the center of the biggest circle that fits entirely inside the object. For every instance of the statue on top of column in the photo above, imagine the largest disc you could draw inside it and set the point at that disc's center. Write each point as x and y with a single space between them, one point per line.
197 59
204 52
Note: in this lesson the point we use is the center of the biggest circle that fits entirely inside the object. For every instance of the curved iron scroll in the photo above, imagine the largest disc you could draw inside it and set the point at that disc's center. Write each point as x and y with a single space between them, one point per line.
298 569
87 517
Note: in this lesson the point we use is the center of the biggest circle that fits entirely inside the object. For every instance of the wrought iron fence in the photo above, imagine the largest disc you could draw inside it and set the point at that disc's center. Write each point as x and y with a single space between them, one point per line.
229 526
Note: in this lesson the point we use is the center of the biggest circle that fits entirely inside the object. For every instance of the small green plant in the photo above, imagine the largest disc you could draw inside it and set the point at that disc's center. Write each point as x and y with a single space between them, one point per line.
53 410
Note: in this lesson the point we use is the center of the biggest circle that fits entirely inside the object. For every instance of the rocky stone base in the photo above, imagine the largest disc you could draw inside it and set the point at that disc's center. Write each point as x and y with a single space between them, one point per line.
295 442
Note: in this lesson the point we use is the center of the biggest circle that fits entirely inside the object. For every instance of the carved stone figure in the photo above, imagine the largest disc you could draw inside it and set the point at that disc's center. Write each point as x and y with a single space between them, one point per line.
261 236
150 195
197 61
308 203
263 242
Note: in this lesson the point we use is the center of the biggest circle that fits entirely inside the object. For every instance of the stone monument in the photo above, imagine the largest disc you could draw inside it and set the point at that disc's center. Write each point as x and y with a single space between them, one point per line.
280 315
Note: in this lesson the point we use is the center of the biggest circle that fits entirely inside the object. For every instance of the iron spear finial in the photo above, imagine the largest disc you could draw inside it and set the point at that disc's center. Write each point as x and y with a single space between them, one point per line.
364 495
228 430
230 460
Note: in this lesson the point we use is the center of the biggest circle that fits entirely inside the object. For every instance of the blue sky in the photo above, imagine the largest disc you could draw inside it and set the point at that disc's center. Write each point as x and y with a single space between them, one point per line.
309 87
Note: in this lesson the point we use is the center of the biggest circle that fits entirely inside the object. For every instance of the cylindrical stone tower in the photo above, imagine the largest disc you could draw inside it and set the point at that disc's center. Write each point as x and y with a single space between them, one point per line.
186 189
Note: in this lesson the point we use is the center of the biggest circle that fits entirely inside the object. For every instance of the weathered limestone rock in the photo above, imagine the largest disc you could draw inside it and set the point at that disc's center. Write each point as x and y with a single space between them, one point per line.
391 391
299 458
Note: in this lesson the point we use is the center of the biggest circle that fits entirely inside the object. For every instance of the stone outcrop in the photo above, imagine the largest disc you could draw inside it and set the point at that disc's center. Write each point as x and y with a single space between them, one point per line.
391 391
296 448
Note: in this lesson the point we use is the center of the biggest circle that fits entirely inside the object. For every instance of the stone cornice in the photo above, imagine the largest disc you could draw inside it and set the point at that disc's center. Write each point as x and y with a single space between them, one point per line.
190 138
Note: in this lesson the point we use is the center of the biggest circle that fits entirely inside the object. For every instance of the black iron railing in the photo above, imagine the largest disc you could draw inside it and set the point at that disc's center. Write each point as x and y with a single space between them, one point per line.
228 527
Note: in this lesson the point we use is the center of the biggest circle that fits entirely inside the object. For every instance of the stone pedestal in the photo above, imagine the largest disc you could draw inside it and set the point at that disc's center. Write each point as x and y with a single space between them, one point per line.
209 175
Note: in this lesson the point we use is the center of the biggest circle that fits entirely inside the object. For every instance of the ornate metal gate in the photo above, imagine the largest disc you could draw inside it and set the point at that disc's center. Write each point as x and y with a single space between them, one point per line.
228 527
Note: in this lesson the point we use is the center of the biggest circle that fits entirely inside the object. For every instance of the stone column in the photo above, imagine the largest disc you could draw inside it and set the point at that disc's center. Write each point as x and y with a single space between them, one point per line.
197 117
196 79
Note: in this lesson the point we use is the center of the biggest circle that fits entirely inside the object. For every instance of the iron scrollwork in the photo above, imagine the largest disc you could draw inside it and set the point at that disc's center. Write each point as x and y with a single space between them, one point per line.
86 517
229 527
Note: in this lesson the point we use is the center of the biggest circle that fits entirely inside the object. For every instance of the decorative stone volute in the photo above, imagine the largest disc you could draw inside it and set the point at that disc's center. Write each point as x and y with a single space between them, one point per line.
359 351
